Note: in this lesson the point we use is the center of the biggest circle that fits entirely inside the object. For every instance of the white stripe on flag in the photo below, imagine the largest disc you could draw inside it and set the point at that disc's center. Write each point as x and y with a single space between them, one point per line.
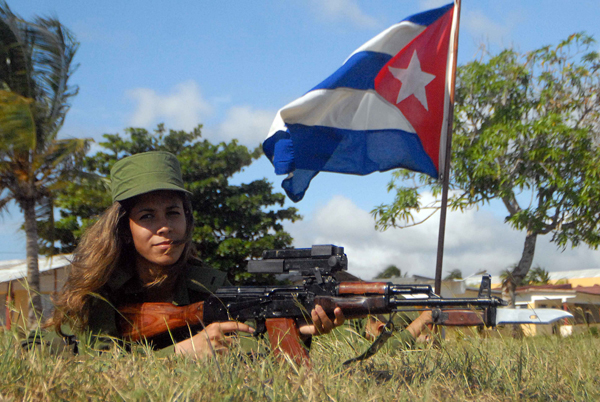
393 39
343 108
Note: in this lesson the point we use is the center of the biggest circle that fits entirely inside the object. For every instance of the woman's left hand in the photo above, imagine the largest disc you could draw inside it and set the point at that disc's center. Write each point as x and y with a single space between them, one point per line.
321 323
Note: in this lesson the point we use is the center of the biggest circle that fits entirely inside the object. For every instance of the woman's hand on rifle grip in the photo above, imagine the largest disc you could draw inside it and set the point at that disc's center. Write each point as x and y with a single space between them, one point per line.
321 323
213 339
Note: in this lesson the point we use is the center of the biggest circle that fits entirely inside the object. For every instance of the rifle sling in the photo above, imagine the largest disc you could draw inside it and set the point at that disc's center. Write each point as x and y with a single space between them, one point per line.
377 344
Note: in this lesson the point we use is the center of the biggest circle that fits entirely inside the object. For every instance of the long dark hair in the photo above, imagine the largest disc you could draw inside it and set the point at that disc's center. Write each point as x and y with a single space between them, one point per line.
105 247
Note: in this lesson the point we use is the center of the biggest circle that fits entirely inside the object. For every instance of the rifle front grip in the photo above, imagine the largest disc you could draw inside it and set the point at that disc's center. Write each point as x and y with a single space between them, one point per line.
458 318
354 306
363 288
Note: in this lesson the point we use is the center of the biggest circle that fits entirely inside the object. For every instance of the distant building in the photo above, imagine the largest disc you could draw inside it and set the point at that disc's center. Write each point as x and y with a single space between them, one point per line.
580 277
14 293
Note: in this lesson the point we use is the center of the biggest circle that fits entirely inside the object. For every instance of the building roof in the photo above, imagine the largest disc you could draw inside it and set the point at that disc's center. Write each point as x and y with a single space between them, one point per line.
12 270
554 276
575 274
592 290
565 286
527 294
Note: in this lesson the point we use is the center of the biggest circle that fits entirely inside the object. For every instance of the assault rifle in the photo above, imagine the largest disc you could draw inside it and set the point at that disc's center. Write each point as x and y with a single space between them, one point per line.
277 309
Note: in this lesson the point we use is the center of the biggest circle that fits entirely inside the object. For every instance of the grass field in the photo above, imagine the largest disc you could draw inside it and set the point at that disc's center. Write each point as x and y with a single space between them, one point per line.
472 369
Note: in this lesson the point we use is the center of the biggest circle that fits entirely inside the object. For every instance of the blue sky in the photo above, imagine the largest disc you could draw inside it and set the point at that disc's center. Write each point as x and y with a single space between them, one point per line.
231 65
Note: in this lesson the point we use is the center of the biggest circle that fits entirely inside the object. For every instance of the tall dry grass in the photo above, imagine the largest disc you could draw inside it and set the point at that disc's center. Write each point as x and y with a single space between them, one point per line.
499 369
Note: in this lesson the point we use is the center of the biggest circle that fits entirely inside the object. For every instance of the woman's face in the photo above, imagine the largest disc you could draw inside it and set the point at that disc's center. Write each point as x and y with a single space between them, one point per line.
156 221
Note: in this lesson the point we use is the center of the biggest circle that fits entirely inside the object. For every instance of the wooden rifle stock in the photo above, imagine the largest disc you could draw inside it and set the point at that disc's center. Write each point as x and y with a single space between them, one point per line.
147 320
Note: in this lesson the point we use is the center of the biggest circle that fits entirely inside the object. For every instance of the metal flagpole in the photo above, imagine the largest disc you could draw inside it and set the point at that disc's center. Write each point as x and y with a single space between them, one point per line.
447 156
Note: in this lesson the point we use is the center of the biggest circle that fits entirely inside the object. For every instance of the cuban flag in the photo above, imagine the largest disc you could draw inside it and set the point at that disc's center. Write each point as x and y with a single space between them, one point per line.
386 107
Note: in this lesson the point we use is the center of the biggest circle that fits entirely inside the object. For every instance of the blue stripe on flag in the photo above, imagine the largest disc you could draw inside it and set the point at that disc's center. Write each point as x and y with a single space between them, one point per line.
429 17
296 186
343 151
358 72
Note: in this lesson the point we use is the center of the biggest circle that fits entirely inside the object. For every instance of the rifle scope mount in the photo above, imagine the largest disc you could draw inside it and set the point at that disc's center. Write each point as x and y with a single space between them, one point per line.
319 260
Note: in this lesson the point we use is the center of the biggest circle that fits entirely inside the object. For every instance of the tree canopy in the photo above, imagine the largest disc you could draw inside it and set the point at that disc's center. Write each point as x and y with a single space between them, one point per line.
234 222
526 131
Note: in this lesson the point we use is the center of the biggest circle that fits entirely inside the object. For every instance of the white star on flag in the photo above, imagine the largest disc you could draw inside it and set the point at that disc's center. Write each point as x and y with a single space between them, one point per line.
413 79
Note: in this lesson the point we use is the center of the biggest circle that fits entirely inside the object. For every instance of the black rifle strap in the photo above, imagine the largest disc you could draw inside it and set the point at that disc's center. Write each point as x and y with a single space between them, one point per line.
385 334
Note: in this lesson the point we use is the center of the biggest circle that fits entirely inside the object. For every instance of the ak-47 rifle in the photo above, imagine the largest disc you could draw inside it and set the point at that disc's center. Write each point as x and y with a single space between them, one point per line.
277 309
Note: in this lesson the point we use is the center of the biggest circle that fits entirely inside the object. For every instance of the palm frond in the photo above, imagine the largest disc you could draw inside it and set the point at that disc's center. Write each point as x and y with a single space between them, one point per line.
17 127
54 50
40 63
16 67
60 161
5 200
82 178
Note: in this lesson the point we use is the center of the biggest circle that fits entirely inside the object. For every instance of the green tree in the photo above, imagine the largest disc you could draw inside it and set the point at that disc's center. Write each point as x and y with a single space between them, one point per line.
233 222
36 64
454 274
526 131
391 271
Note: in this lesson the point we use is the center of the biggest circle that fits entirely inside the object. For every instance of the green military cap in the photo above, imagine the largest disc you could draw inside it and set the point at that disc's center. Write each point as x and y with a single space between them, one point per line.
142 173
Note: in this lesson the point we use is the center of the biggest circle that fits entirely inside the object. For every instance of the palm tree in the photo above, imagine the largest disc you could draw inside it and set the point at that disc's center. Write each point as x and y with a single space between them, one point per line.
391 271
538 276
454 274
35 66
510 283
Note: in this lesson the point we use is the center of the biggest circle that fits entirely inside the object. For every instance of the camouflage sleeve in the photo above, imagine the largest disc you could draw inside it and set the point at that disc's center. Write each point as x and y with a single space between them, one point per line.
402 341
68 344
165 352
50 341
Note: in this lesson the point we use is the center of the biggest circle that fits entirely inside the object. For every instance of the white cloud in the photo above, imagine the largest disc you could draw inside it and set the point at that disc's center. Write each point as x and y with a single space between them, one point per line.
347 10
474 240
183 108
342 223
250 126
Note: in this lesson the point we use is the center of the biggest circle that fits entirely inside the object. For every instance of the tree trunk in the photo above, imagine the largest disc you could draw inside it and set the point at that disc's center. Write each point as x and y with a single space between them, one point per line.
524 265
519 273
33 273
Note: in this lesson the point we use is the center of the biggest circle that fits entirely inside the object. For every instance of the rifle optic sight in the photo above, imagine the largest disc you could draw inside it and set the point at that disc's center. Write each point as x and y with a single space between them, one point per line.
324 259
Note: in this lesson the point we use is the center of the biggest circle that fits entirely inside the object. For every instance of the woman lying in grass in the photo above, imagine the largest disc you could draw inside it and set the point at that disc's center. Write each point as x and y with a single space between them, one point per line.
140 250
